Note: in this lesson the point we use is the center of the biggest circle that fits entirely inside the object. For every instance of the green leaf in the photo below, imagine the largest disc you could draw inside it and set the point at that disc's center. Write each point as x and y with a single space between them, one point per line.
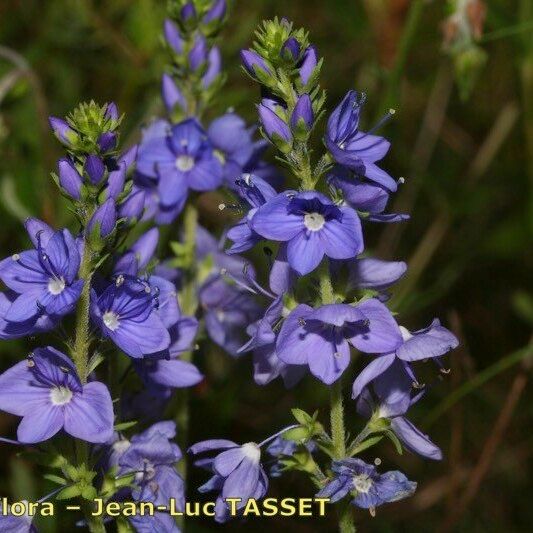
125 425
354 450
395 441
301 416
55 479
69 492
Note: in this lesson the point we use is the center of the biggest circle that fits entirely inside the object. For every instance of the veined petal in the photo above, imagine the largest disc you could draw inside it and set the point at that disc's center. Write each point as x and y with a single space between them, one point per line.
273 221
89 415
305 251
40 424
293 341
371 371
343 239
20 393
414 439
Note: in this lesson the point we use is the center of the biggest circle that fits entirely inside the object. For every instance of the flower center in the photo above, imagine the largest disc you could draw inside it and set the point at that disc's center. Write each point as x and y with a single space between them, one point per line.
56 286
252 452
184 163
314 221
111 320
60 395
362 483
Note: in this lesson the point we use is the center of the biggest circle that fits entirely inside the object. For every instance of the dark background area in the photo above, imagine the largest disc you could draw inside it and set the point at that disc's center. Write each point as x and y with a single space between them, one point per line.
468 167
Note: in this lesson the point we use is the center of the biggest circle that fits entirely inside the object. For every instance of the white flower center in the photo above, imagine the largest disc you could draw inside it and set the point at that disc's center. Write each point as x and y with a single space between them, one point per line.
314 221
184 163
362 483
406 334
56 286
60 395
111 320
251 451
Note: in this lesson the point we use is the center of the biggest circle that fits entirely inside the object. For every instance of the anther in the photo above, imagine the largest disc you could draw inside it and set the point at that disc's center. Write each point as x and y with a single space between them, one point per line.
221 207
15 257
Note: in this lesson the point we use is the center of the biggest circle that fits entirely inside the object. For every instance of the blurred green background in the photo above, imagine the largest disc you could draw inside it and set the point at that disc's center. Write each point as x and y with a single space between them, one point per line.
468 165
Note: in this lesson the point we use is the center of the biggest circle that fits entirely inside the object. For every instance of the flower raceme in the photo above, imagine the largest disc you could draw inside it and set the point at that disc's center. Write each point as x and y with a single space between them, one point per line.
47 393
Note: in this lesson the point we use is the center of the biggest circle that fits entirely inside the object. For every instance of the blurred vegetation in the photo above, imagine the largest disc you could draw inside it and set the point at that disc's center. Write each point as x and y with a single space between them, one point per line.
468 168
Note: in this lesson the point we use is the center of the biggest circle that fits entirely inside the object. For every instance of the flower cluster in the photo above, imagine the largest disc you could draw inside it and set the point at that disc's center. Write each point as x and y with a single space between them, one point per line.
325 298
122 300
316 226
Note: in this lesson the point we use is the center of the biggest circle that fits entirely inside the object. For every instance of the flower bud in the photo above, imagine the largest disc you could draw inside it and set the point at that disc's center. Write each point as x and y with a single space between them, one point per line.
216 13
302 117
116 181
69 179
104 219
275 128
188 15
65 134
94 168
111 111
133 205
107 141
173 37
290 51
129 156
309 64
214 66
198 53
171 94
254 64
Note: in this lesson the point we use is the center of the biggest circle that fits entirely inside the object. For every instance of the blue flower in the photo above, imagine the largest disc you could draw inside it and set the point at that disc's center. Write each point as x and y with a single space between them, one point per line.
175 159
126 313
429 343
353 148
312 225
238 473
368 488
233 142
390 398
152 456
320 338
46 391
370 199
267 365
255 192
45 279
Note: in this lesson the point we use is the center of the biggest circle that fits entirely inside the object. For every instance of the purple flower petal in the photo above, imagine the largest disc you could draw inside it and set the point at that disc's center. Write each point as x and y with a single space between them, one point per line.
40 424
89 415
305 251
414 439
371 371
273 220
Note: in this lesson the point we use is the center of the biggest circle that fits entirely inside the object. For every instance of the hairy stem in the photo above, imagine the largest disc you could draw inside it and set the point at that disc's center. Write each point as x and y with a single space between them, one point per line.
338 432
80 352
80 355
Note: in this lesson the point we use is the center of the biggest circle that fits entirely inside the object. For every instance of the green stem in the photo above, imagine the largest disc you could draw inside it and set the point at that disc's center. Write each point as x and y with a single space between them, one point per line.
80 355
80 352
189 304
338 432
